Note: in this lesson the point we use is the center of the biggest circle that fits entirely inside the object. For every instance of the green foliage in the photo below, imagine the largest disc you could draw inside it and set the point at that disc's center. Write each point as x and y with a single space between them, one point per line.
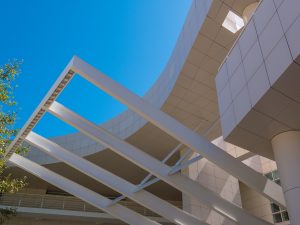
8 184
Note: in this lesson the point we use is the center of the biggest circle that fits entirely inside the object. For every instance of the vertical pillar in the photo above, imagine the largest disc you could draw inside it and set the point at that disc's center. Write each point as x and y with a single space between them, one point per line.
286 147
248 12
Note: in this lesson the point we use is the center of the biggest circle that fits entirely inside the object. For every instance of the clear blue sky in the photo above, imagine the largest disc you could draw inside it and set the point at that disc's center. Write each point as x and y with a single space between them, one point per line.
129 40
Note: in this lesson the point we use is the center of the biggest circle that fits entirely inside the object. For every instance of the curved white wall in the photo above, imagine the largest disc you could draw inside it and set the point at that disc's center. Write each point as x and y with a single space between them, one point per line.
128 123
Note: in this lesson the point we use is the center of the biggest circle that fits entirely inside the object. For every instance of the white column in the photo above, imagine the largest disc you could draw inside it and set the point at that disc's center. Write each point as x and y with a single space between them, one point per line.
248 11
286 147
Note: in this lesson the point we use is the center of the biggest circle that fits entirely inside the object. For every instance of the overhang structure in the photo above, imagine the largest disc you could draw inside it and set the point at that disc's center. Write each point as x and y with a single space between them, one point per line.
180 110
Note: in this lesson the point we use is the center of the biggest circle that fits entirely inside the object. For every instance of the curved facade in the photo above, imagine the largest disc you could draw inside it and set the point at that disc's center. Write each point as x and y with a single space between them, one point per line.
214 190
127 123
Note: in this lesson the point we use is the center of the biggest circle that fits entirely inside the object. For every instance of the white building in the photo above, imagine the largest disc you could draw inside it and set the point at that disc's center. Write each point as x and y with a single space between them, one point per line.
233 74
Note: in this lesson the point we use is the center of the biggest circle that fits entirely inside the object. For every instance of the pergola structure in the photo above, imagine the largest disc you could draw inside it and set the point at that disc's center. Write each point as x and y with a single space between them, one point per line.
156 168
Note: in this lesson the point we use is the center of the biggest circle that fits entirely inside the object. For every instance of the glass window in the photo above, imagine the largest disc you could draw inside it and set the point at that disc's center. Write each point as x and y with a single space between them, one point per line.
277 217
275 175
269 176
279 214
285 216
275 208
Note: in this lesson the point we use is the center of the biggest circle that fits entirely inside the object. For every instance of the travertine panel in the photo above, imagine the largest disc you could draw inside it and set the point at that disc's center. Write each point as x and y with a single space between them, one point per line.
215 179
270 53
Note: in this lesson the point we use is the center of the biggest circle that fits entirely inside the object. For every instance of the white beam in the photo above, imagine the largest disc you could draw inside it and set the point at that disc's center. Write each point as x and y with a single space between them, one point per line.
97 200
154 166
183 134
146 184
179 165
61 82
175 169
120 185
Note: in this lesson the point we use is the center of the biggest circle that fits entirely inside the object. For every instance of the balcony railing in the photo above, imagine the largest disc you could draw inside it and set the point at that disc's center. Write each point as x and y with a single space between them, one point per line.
66 203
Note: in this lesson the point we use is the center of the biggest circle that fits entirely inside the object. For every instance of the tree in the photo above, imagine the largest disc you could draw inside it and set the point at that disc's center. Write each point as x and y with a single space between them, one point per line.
8 184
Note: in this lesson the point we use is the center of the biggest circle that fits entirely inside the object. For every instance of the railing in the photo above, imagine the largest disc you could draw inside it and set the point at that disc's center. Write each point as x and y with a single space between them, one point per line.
66 203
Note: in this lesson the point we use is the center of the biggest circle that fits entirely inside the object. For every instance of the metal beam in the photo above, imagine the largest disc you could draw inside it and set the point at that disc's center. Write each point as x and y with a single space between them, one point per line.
183 134
188 153
97 200
176 168
146 184
155 167
179 164
61 82
245 156
120 185
155 180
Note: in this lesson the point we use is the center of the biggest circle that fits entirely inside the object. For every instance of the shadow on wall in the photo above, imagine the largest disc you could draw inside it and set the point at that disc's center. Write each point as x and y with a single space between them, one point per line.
225 185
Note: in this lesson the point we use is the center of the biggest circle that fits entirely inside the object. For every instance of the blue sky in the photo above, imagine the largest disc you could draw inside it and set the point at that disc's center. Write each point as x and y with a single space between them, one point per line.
130 41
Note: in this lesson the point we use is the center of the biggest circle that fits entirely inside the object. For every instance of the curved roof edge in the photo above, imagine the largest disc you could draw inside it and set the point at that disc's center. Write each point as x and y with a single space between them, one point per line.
127 123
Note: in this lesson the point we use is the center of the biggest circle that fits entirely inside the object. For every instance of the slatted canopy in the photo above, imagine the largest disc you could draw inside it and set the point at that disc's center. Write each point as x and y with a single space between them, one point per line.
155 167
